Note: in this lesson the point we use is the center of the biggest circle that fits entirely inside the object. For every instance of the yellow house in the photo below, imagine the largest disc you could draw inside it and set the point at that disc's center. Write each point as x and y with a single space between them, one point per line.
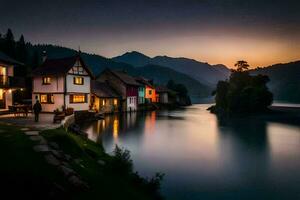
104 98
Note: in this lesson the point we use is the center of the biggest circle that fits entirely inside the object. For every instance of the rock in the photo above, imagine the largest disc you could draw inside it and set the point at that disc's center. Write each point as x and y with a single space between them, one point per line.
77 182
38 138
42 148
101 162
67 171
31 133
68 157
52 160
58 154
54 145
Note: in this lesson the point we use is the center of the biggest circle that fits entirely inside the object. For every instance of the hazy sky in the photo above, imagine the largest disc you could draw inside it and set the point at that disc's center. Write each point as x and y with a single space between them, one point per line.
262 32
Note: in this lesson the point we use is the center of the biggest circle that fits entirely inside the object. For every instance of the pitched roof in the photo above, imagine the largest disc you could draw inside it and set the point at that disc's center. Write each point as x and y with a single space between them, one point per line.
124 77
102 89
161 89
7 59
59 66
144 81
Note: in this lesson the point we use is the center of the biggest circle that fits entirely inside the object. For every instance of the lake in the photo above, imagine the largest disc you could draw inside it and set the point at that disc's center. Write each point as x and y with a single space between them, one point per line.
204 157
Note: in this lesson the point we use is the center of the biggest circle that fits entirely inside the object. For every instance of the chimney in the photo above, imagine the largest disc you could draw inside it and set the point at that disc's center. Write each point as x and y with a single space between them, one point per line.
44 56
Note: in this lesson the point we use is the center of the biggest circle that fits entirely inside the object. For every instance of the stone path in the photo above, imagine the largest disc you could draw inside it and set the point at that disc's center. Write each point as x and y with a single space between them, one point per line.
55 157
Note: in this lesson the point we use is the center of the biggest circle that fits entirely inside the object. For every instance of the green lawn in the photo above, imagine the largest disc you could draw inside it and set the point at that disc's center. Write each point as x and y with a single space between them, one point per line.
25 171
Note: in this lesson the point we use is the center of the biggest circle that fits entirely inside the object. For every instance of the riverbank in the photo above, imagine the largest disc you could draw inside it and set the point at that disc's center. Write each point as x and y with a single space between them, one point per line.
26 170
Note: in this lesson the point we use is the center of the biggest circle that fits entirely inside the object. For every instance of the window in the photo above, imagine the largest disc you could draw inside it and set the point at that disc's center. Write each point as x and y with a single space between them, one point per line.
78 98
78 70
78 80
1 94
47 98
115 102
46 80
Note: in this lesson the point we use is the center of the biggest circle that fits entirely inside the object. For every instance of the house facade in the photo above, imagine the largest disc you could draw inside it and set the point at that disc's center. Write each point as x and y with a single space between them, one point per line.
62 83
104 98
125 85
8 83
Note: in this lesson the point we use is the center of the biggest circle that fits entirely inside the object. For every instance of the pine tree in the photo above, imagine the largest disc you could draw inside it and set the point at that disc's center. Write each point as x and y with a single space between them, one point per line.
21 50
9 44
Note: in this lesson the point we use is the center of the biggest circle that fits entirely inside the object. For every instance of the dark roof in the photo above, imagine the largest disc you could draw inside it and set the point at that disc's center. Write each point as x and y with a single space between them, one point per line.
144 81
161 89
5 58
102 89
59 66
124 77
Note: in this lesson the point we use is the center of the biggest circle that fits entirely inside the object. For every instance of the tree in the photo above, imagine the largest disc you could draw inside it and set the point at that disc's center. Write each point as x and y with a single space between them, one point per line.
242 65
242 93
9 44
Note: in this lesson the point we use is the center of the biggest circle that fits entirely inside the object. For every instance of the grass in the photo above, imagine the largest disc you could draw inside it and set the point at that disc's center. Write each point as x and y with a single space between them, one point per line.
25 172
103 183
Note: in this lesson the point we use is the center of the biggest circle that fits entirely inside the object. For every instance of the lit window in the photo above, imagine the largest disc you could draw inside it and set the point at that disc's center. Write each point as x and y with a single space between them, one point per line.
78 80
78 98
115 102
46 80
1 94
47 98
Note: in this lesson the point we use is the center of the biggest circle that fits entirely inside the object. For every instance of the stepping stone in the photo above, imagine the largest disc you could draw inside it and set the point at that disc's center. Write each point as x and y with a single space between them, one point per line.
101 162
42 148
58 154
68 157
25 129
75 181
67 171
52 160
38 138
31 133
54 145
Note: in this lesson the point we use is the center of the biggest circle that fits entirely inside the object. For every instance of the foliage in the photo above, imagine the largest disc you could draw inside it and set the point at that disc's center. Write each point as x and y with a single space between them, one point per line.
243 93
122 165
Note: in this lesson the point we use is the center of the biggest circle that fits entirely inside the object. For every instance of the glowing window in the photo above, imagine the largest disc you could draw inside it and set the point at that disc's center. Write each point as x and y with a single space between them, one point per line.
115 102
47 98
78 98
46 80
1 94
78 80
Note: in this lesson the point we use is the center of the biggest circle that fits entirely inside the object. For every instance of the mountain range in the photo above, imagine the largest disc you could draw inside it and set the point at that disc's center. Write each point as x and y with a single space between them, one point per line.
200 78
203 72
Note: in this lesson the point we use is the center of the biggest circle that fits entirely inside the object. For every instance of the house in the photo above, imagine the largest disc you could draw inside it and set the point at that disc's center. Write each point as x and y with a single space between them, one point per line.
62 83
104 98
147 90
165 95
8 82
123 84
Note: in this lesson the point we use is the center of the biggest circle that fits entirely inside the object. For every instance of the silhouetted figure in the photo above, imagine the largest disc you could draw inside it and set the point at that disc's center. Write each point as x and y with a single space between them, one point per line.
37 108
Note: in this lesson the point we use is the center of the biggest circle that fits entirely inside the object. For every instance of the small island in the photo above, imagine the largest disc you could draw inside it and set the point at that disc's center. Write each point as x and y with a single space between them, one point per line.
242 93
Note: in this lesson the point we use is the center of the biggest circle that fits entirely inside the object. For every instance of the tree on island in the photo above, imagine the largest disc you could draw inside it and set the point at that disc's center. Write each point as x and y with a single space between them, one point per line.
242 93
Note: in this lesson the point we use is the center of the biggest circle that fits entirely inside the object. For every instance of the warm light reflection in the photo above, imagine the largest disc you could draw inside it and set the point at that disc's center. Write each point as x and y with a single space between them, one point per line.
115 128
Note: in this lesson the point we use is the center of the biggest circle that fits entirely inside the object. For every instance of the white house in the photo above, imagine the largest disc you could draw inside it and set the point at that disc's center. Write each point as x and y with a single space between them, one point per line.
8 83
62 83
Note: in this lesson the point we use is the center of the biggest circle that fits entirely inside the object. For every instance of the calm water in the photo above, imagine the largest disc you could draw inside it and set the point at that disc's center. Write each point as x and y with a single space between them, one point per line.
204 157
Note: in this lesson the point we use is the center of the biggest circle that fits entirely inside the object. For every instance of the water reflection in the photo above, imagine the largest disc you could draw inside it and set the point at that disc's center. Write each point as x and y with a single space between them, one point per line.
207 157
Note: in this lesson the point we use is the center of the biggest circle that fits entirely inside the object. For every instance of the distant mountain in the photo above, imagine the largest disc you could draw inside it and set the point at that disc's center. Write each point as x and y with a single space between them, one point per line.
285 80
203 72
134 58
161 75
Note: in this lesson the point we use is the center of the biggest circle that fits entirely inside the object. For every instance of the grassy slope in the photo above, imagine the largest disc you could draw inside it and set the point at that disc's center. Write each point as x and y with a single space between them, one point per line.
26 171
22 170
